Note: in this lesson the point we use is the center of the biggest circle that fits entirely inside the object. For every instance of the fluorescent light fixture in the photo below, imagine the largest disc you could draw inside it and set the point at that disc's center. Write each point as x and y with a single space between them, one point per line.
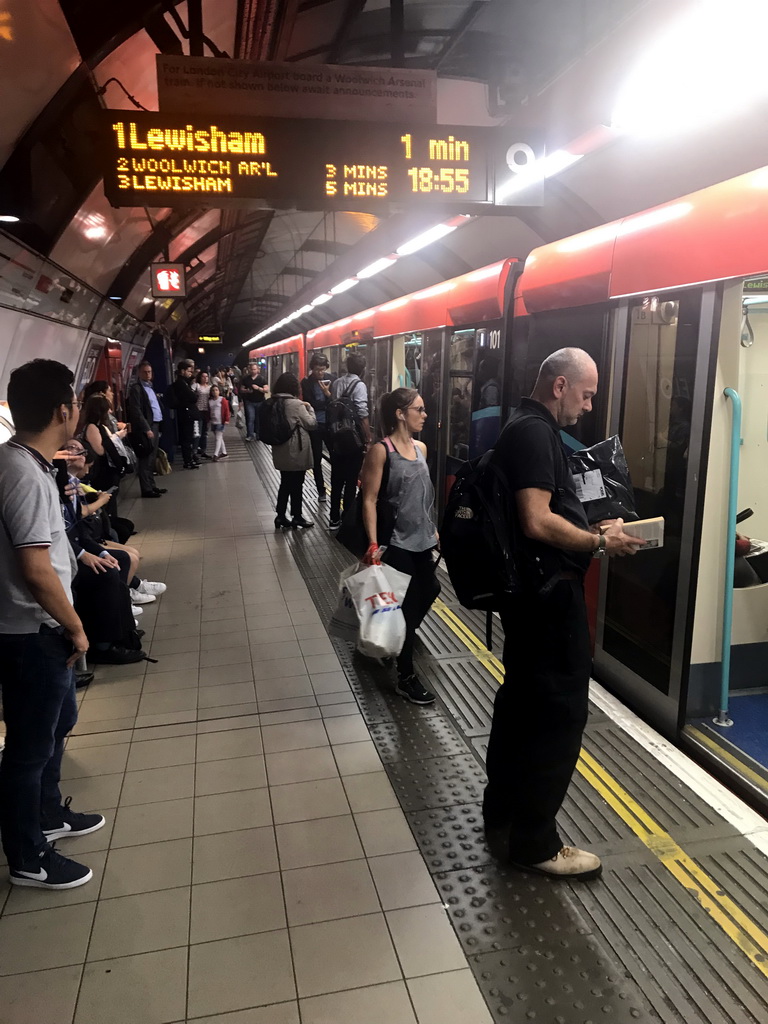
536 172
376 267
344 286
8 218
303 310
708 66
321 299
425 238
116 298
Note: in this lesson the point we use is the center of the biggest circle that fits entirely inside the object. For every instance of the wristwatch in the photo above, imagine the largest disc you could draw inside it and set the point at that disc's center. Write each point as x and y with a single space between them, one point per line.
600 551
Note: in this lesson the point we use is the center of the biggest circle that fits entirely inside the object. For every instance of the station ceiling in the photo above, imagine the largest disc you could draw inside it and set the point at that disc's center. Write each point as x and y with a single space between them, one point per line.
68 59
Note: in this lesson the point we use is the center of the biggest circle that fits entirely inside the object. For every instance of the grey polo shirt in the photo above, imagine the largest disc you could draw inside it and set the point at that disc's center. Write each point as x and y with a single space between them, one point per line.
358 393
30 517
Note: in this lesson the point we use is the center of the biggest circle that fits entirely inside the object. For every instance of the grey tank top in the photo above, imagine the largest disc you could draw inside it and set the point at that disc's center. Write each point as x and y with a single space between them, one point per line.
412 497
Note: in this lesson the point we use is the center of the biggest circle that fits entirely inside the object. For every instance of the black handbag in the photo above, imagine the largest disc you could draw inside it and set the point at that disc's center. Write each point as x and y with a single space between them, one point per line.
352 533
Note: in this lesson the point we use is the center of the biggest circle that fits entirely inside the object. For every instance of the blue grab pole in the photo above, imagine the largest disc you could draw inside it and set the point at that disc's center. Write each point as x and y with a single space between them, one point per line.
730 558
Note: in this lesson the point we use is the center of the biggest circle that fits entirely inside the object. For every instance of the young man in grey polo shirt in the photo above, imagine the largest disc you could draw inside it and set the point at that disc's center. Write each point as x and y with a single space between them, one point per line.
41 635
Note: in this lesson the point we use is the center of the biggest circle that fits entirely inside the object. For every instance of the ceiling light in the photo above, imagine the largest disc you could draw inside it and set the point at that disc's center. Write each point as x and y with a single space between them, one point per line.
706 66
303 310
116 298
376 267
344 286
425 238
8 218
321 299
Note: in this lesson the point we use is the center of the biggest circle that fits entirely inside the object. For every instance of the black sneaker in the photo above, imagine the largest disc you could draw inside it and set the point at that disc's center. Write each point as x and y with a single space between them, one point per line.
299 523
52 872
115 655
410 688
82 679
70 823
334 524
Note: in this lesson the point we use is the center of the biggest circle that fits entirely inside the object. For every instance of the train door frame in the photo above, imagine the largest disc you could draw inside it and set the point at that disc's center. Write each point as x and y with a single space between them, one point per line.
667 710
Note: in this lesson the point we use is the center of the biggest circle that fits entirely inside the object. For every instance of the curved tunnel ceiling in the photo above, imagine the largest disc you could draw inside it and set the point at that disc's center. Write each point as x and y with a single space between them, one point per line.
247 265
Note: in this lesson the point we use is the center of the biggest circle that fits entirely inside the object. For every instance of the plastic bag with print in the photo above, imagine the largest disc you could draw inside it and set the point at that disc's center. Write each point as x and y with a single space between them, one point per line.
377 594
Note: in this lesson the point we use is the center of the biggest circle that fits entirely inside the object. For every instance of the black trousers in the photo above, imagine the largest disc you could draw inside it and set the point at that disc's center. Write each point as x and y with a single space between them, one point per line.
421 593
538 718
345 470
317 437
103 603
291 487
186 427
147 463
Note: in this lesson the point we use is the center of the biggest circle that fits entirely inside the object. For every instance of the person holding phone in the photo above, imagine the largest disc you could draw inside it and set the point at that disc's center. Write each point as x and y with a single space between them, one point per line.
41 635
316 390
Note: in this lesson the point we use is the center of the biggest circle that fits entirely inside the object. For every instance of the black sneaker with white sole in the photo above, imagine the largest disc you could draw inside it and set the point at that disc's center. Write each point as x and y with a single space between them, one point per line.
410 687
69 823
52 871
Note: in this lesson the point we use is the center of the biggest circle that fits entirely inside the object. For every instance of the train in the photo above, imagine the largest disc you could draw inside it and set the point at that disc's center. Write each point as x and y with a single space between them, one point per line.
672 303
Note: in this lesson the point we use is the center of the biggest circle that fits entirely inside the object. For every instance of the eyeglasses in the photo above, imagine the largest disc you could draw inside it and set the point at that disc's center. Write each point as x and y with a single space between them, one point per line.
416 408
75 451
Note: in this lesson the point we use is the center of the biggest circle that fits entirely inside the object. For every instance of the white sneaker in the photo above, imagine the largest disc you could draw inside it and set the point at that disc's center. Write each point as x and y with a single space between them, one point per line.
136 610
569 863
155 589
138 598
136 623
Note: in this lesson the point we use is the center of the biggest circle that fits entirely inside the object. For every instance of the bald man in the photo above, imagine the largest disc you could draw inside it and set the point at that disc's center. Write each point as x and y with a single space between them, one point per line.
540 712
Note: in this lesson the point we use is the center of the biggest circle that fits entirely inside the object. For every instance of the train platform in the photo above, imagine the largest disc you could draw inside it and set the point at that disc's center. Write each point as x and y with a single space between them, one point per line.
288 842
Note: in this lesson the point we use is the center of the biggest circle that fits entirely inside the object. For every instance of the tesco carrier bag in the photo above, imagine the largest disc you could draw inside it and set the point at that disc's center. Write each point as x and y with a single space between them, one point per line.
377 593
345 623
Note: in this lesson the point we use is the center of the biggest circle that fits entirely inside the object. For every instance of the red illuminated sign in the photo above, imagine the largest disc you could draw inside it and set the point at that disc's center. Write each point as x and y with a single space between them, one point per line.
168 281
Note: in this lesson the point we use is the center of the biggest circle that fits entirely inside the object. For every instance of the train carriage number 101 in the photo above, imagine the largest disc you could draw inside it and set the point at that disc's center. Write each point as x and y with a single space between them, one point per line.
445 179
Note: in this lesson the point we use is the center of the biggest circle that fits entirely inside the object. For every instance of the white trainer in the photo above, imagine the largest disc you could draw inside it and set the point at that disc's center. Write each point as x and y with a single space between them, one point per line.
155 589
138 598
569 863
136 610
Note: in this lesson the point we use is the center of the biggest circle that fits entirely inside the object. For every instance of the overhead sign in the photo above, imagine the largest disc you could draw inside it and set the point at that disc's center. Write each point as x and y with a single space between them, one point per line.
168 160
756 285
208 85
210 339
168 280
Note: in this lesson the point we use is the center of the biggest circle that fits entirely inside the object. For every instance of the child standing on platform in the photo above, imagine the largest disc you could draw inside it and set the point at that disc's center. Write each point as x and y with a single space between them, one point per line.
218 418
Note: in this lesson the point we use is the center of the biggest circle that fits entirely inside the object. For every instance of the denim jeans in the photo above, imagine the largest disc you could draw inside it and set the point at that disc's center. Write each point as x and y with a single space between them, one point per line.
40 710
252 419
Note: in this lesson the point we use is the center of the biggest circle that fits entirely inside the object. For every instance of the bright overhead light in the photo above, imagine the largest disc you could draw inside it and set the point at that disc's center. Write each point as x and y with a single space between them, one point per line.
303 310
707 66
536 172
8 218
321 299
343 286
376 267
425 238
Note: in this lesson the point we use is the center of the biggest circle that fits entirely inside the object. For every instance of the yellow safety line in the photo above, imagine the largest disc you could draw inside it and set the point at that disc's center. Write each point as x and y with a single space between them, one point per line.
726 755
739 928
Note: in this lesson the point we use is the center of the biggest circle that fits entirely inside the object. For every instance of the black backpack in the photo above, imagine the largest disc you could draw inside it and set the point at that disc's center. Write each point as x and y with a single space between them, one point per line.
343 423
274 427
477 536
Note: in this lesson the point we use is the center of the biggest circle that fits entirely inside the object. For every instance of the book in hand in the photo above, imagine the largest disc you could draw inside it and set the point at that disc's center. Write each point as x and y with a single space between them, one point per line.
650 530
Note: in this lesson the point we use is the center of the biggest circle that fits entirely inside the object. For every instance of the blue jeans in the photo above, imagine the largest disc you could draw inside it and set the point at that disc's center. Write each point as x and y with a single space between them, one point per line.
40 710
252 419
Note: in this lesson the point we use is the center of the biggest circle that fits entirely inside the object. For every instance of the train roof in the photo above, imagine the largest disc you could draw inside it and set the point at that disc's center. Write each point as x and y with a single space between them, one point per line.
716 233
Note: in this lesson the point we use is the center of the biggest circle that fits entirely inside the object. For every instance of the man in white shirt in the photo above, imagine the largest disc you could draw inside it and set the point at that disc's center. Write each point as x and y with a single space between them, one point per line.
346 465
41 635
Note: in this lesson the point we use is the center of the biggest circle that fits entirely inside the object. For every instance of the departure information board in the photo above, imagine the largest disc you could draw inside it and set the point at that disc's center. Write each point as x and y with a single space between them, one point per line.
168 160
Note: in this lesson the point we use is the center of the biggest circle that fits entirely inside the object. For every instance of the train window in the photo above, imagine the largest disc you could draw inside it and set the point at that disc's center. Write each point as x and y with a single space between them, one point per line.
461 355
430 387
655 424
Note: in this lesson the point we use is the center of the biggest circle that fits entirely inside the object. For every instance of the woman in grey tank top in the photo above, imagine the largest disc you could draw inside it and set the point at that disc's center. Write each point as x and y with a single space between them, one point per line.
395 475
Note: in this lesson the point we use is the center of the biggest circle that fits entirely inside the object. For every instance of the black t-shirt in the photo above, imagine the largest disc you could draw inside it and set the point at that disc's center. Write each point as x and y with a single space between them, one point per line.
532 455
246 388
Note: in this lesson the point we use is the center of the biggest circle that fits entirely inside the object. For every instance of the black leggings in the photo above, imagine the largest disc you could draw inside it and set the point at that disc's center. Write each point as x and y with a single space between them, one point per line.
422 591
291 486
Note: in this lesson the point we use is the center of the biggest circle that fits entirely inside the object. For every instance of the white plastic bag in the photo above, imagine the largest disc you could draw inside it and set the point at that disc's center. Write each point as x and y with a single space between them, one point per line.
377 593
344 623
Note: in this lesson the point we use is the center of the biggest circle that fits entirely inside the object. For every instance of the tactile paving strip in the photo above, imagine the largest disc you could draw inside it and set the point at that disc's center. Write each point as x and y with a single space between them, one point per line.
416 739
467 690
451 838
435 782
